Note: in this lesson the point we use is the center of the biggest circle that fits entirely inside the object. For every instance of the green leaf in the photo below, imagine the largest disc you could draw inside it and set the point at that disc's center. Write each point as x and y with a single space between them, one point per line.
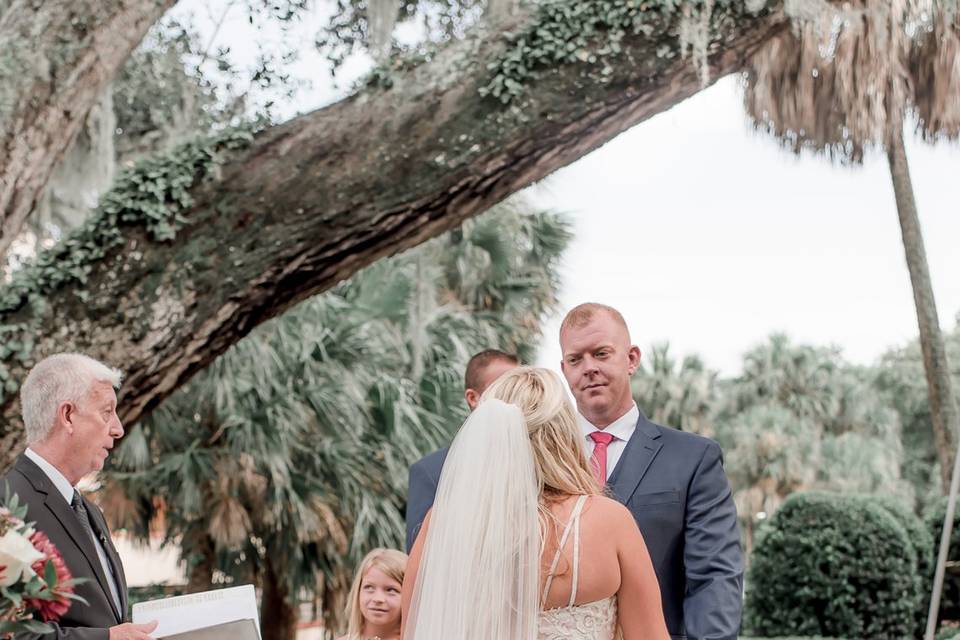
50 574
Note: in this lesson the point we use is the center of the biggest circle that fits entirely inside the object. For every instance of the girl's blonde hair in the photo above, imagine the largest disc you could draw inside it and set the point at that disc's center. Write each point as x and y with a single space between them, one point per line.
392 563
559 457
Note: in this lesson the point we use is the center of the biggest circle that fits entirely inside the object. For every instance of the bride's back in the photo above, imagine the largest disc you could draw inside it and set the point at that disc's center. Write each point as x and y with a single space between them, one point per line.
481 541
564 475
598 574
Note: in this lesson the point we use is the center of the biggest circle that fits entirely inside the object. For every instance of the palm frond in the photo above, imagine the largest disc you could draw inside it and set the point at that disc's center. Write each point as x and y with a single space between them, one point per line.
292 448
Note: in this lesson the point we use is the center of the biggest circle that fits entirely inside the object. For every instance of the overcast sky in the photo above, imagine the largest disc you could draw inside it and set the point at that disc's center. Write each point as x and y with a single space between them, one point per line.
706 234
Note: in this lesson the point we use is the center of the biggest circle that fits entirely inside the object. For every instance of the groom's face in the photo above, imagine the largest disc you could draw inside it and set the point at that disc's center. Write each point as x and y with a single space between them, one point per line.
598 361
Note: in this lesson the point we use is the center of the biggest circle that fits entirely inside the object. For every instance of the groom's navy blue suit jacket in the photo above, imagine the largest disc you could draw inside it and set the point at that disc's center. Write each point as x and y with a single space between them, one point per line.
673 483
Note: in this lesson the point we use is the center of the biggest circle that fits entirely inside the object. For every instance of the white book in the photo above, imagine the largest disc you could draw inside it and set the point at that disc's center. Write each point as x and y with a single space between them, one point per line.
204 616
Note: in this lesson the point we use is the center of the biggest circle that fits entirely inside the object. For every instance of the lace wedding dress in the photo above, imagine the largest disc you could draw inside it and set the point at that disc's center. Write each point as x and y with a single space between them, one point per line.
589 621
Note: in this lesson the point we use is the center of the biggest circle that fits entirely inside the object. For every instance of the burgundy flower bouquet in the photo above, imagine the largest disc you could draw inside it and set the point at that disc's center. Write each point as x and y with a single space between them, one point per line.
34 581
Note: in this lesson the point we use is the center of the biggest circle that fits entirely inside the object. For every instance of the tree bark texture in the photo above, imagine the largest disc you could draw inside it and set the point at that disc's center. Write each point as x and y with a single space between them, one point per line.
57 58
312 201
278 616
204 554
943 407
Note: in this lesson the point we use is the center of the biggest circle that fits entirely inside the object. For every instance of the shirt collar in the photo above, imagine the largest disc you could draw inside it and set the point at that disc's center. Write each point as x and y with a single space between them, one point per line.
58 479
621 428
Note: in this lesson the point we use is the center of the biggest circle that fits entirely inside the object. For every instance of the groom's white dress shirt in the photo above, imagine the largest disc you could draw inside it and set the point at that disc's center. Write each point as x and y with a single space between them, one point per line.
621 429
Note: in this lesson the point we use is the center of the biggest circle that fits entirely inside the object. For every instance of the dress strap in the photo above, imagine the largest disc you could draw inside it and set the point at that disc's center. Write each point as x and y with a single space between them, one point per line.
574 525
576 548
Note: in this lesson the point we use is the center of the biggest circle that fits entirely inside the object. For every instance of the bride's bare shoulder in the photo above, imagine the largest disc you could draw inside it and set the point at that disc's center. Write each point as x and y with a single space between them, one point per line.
598 508
609 511
606 505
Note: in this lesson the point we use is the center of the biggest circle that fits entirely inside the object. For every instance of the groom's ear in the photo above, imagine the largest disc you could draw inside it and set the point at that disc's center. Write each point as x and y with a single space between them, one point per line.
634 358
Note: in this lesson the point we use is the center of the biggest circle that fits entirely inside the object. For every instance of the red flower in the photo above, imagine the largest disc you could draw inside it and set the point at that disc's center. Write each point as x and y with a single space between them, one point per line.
51 609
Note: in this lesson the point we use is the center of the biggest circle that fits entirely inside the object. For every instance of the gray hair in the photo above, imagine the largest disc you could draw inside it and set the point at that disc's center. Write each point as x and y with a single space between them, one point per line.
62 377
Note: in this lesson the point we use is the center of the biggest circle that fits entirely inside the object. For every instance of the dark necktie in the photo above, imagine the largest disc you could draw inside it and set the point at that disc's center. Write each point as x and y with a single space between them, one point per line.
81 512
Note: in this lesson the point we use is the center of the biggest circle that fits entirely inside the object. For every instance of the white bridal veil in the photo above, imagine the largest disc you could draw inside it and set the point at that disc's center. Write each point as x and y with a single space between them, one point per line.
479 572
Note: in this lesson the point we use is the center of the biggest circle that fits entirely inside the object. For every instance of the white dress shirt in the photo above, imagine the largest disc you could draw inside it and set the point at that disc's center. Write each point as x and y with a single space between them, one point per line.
66 490
621 429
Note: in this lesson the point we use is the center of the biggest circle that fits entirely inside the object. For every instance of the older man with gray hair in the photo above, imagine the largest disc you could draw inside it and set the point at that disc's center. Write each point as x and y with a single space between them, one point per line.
70 417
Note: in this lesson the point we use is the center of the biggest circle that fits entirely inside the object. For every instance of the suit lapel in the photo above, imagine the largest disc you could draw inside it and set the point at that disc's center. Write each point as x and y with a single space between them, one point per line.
639 453
53 500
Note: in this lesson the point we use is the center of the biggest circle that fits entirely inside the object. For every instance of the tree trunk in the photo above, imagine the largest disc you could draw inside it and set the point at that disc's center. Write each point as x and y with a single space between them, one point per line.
56 59
310 202
278 616
203 559
943 408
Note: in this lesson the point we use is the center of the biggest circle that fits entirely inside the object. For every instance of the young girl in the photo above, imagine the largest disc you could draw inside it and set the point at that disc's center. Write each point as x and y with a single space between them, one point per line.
373 610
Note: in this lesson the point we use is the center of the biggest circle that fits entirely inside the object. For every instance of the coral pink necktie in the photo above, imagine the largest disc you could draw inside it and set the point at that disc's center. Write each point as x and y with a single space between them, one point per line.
599 459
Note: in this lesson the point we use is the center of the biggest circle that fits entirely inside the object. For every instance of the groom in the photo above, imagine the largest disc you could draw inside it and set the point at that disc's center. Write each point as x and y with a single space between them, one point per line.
673 482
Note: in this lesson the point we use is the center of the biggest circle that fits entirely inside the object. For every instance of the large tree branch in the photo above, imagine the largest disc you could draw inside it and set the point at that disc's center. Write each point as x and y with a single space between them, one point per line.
56 60
310 202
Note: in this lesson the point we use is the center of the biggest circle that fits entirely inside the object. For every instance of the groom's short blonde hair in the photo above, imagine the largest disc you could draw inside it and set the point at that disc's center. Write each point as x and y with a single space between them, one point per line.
581 315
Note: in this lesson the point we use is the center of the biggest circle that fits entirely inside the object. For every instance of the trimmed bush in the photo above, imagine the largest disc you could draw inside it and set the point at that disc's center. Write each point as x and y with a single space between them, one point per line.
917 530
834 566
923 545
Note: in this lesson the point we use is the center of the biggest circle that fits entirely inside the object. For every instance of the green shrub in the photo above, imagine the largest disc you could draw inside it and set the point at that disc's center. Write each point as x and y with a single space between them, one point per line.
917 530
923 545
950 599
830 565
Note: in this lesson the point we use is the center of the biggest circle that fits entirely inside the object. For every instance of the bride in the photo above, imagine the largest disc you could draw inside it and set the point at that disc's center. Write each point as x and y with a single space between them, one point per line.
520 544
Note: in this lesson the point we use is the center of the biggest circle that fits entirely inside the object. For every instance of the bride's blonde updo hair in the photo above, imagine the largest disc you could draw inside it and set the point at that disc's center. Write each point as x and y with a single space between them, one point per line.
561 464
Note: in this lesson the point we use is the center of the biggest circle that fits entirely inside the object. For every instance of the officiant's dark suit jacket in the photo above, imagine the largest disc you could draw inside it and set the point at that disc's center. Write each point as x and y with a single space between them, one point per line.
674 485
52 515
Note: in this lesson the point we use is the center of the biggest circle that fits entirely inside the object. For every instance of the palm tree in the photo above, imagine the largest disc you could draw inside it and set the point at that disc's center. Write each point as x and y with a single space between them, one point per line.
286 460
847 78
797 377
770 452
239 465
899 376
685 397
799 417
